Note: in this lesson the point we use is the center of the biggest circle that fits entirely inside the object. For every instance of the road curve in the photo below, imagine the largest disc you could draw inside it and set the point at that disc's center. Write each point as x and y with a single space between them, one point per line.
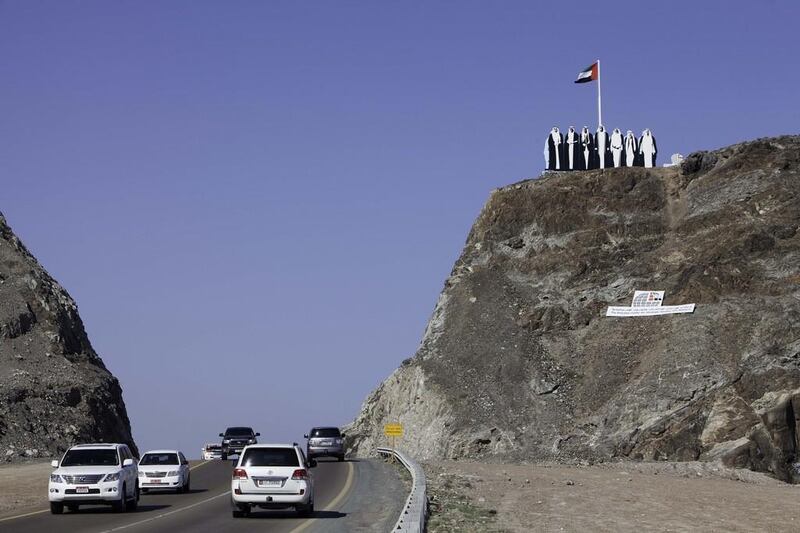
356 495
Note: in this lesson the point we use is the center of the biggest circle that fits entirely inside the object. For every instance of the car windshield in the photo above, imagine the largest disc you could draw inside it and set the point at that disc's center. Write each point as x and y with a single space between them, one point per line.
270 457
325 432
97 457
239 432
159 459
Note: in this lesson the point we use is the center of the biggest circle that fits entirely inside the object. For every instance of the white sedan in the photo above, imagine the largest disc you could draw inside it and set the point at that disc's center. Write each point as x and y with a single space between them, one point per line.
164 469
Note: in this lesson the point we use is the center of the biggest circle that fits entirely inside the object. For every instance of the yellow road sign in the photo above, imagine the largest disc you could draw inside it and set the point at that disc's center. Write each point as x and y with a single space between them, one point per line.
393 430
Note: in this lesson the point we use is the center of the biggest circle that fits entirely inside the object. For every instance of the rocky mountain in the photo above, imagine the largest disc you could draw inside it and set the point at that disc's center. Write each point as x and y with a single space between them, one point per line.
54 389
519 361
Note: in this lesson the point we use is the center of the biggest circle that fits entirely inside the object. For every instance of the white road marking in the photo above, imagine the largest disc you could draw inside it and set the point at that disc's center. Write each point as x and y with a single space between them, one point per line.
24 515
163 515
334 502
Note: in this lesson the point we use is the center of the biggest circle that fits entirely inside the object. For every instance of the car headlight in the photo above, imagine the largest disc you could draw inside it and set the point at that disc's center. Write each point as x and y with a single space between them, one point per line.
172 473
141 473
251 441
112 477
55 478
225 441
339 441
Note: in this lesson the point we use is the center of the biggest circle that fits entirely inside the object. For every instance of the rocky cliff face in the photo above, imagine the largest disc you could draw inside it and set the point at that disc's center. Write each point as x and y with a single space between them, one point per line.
519 360
54 389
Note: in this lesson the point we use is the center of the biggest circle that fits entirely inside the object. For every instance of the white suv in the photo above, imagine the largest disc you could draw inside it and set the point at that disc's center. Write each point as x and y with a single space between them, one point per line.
94 474
272 476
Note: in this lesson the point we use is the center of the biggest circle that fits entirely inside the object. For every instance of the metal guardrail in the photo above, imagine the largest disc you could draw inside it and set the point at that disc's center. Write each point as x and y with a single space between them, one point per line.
414 516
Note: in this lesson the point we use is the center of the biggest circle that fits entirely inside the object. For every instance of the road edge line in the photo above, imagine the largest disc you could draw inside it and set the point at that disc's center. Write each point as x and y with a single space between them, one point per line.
342 493
164 515
23 515
198 465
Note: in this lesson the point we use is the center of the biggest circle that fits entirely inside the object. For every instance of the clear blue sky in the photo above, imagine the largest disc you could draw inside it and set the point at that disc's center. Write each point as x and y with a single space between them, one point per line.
255 204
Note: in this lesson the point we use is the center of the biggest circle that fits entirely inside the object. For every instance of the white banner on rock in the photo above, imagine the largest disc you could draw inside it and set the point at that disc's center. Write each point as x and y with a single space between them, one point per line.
648 303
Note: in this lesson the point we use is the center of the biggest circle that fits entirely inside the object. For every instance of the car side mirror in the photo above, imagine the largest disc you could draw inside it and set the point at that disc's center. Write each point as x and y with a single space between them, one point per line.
305 436
258 434
343 435
312 463
54 464
127 462
221 435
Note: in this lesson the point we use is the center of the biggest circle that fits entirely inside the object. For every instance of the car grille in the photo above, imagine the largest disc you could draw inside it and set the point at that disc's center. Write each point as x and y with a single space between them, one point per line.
83 480
155 474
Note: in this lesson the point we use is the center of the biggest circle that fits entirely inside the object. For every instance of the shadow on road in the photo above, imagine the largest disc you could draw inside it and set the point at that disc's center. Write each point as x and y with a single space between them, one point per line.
97 509
161 492
288 514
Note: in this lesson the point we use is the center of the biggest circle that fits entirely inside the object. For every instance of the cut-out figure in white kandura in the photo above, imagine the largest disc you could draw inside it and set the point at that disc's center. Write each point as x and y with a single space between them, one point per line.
631 148
648 149
555 148
587 148
572 144
601 148
616 147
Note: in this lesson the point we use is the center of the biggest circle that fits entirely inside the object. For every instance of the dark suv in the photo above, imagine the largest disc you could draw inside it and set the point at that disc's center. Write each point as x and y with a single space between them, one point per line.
325 442
235 439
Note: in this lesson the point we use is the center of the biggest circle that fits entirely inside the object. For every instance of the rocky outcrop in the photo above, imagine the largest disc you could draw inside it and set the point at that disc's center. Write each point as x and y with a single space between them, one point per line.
519 360
54 389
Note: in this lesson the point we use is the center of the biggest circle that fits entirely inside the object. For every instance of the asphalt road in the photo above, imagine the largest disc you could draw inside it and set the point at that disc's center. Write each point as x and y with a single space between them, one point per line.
356 495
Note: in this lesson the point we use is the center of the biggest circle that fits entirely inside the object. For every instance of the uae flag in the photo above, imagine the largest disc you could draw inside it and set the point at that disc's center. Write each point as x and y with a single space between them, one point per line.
588 74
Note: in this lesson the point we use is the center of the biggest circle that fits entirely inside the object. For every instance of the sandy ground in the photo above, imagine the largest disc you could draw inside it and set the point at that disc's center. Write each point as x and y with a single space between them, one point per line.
471 496
23 487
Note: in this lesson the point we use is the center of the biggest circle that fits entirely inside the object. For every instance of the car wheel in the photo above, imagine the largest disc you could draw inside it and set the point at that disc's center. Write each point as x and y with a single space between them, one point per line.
341 458
56 507
240 511
73 507
188 484
224 456
133 503
119 505
144 491
306 510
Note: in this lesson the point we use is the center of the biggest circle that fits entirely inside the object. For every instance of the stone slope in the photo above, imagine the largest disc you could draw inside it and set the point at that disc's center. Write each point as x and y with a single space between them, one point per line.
519 361
54 389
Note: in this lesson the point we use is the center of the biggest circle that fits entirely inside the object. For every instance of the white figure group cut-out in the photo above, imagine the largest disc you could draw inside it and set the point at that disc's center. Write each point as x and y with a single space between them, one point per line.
586 151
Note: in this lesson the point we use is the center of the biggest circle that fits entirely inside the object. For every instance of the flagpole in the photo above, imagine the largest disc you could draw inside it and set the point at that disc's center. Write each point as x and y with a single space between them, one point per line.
599 101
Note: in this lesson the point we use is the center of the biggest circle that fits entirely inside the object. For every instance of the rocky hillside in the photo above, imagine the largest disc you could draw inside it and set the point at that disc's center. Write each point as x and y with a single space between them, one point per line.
54 389
519 360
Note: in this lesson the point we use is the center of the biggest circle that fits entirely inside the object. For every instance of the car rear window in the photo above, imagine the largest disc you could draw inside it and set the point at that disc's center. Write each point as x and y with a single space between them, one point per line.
239 432
270 457
159 459
325 432
78 457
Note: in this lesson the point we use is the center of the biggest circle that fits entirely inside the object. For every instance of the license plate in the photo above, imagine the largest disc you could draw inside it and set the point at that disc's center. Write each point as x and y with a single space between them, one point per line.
81 490
155 481
327 443
269 483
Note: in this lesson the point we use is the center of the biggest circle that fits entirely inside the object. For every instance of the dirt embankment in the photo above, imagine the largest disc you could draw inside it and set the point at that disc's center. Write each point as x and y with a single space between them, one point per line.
23 487
619 497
